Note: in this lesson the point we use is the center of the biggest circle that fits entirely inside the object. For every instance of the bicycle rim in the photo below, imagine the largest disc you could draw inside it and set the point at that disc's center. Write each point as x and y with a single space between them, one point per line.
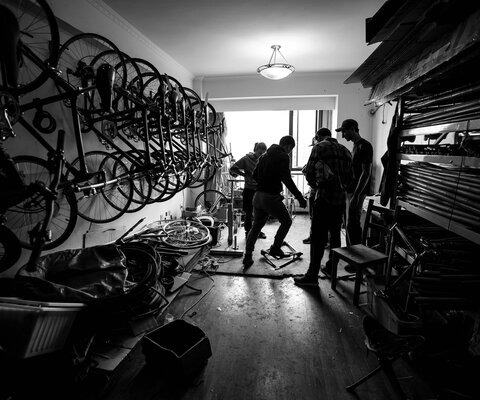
39 35
78 59
92 205
10 248
211 200
23 217
118 195
186 234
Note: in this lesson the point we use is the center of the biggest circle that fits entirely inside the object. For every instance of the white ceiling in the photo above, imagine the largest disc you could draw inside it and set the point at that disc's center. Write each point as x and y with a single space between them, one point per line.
226 37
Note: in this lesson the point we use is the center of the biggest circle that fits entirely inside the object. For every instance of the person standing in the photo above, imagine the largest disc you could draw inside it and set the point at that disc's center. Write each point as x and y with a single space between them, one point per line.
311 194
272 170
244 167
362 160
329 170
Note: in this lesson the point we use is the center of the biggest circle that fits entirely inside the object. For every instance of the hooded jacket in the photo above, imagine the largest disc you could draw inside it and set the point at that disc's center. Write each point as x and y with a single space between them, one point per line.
272 170
247 164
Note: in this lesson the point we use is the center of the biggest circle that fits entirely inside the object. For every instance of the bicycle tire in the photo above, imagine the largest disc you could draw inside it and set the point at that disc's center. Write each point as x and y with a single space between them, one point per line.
10 248
92 204
27 214
207 174
186 234
77 58
119 195
39 35
210 200
133 83
168 186
142 186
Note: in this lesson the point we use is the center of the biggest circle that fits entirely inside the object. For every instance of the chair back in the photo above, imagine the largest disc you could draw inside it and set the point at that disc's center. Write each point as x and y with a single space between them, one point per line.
377 224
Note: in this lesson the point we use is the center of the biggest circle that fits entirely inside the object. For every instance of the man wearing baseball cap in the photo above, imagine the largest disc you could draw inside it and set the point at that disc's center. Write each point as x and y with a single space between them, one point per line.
362 160
329 171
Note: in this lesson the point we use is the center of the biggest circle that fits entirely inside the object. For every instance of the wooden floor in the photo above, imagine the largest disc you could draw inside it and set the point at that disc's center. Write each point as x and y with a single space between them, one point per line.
270 340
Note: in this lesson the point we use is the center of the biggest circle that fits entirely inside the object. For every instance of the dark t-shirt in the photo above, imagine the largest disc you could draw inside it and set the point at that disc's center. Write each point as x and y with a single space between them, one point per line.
362 154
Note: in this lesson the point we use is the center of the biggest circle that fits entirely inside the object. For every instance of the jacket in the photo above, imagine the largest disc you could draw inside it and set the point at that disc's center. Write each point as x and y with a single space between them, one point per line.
272 170
247 164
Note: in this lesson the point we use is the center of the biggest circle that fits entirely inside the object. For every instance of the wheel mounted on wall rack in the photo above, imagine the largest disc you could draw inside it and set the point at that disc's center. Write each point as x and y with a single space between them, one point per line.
24 216
39 43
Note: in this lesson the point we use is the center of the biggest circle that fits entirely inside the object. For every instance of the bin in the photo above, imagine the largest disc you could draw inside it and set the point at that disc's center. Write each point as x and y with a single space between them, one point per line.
179 347
32 328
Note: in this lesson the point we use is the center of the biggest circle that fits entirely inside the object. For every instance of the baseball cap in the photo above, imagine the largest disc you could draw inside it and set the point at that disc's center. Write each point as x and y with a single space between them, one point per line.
348 124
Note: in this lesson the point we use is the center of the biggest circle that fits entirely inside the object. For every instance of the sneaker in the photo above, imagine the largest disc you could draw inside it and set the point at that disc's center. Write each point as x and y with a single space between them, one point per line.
306 241
306 280
327 269
261 235
247 261
276 252
350 269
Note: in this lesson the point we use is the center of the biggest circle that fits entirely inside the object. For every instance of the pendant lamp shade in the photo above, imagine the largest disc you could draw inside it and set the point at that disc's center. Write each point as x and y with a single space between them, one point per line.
275 70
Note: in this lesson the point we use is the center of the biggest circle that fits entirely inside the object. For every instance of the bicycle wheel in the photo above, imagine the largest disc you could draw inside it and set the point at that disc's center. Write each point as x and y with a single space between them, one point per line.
211 200
10 248
119 194
23 217
133 83
39 39
142 186
78 59
186 234
207 173
92 203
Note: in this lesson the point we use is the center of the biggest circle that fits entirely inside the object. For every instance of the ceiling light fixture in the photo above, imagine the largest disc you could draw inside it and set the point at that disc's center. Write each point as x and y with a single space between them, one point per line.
274 70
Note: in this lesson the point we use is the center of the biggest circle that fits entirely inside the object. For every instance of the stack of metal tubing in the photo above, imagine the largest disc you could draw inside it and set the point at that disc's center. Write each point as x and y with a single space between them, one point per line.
459 104
447 277
452 193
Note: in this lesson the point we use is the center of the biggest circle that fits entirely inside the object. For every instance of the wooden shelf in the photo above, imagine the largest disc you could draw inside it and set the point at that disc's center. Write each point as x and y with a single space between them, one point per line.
450 160
452 226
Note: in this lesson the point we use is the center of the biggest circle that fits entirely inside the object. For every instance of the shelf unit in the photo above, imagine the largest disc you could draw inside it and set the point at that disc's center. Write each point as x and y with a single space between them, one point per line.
446 223
460 161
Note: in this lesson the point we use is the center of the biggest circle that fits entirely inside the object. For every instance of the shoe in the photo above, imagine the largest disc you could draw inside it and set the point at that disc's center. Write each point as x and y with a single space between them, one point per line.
306 280
247 261
306 241
276 252
327 269
350 269
261 235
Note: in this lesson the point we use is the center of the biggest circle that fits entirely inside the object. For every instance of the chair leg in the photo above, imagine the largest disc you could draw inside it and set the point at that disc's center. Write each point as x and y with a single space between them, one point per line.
386 365
353 386
333 283
356 290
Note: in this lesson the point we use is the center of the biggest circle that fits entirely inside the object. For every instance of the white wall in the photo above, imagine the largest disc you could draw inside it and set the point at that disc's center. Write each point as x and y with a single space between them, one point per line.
350 98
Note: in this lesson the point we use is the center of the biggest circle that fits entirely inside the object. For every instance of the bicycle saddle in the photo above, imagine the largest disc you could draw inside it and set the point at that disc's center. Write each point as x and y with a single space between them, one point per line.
386 343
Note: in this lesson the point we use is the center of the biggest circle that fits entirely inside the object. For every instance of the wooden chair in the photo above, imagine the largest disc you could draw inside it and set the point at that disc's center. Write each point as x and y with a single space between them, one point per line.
362 256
